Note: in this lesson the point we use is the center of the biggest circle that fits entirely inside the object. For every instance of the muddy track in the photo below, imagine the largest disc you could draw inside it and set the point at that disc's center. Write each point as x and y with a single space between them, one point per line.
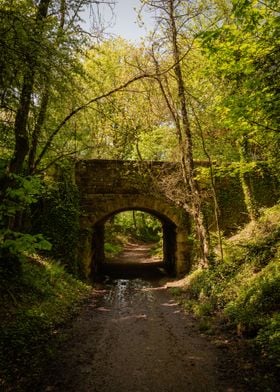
133 337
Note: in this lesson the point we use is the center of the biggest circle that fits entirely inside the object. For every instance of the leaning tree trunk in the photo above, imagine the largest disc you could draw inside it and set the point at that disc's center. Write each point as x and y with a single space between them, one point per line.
187 161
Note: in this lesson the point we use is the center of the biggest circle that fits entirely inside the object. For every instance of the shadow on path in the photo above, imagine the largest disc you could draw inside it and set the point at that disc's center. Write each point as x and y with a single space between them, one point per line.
135 261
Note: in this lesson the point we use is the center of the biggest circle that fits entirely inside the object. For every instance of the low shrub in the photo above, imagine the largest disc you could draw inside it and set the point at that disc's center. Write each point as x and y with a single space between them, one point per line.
257 299
112 249
244 289
268 339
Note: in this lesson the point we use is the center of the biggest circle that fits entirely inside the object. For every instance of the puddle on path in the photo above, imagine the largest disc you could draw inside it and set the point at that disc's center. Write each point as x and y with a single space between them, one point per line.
136 338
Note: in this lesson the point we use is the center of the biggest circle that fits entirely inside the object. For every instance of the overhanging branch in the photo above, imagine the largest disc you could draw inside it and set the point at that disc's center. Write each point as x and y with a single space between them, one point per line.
122 87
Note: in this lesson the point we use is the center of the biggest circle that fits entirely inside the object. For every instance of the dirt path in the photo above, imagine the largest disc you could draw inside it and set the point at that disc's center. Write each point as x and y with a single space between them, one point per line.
135 253
133 337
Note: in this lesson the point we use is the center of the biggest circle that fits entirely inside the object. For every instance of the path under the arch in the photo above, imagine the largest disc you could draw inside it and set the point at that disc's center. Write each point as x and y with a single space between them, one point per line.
135 253
133 336
134 259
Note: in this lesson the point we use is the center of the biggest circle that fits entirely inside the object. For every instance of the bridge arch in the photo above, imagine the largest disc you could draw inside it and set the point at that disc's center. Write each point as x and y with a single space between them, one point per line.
109 187
175 228
168 232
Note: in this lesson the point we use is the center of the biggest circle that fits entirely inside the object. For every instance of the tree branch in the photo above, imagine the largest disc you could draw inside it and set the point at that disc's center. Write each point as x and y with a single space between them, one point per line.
100 97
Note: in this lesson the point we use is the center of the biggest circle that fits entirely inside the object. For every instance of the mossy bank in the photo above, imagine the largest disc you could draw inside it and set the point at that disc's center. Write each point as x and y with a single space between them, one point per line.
32 307
241 294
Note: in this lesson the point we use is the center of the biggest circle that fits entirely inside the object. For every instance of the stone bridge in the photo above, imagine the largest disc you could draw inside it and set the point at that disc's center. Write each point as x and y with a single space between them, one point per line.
108 187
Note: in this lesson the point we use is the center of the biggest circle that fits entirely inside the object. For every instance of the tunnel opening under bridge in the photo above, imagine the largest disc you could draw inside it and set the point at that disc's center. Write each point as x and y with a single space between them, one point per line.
101 261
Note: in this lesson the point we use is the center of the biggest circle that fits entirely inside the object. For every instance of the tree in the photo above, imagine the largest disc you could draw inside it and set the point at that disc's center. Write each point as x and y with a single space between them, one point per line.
126 125
173 15
42 44
243 52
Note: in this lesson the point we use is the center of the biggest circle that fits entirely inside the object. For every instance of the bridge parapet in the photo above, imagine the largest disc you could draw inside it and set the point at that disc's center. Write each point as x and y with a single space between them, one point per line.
113 176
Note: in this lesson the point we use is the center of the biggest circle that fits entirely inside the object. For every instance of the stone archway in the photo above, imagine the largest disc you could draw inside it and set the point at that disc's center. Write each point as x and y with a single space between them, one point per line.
169 240
175 227
108 187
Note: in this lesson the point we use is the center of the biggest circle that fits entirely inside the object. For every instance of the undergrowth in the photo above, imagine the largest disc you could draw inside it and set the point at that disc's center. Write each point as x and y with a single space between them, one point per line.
243 291
157 249
32 306
112 248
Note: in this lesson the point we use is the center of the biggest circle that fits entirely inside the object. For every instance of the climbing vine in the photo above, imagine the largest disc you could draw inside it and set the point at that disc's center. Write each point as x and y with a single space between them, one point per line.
57 216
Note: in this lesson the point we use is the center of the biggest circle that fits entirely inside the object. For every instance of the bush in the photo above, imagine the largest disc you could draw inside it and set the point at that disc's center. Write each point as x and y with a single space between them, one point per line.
112 249
16 239
244 289
257 299
57 217
268 339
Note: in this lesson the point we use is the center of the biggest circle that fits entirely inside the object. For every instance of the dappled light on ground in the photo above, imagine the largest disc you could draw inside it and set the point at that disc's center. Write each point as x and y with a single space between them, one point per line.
136 338
135 261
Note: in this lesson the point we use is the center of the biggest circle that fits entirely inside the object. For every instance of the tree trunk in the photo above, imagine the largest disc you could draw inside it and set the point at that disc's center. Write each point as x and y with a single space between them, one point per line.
246 180
16 165
20 128
37 131
187 161
135 222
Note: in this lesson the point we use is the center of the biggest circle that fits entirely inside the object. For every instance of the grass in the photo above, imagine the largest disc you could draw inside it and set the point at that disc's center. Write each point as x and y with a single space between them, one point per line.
243 292
32 306
112 249
157 250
